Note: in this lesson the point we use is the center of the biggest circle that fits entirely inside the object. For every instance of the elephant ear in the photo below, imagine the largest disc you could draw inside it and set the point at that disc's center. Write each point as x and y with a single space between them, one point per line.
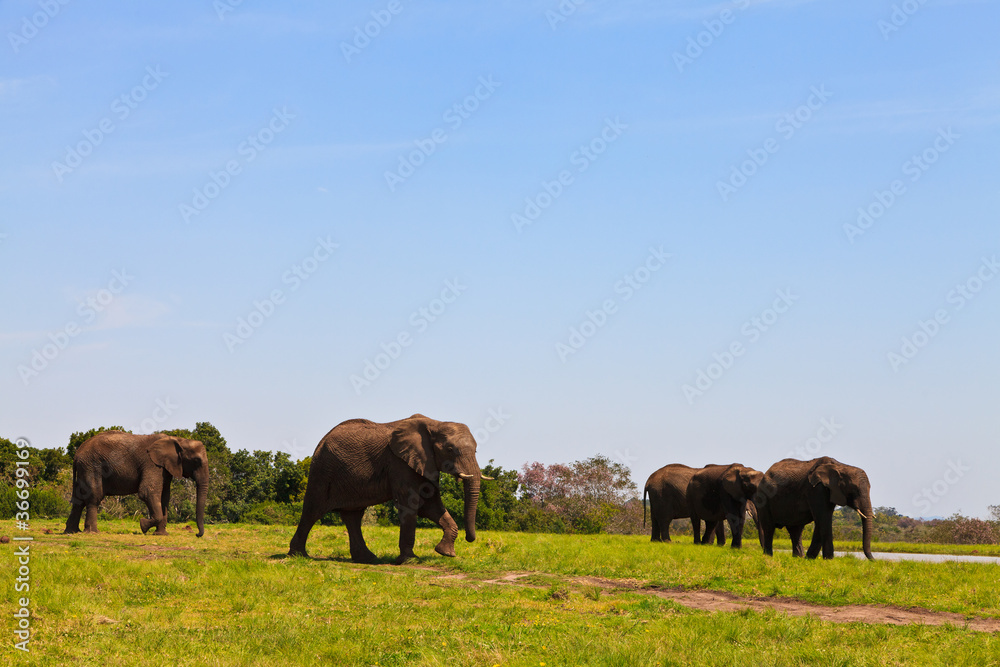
829 476
412 443
166 453
731 482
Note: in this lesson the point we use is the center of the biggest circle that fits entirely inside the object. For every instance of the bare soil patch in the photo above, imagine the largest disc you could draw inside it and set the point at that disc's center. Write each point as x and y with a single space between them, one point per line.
714 601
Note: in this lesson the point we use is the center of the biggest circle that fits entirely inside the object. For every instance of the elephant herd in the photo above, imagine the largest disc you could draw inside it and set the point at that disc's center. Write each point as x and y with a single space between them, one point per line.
360 463
791 494
356 465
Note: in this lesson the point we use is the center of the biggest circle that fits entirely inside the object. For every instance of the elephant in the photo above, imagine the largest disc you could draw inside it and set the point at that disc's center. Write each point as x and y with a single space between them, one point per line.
667 491
794 493
360 463
722 492
115 463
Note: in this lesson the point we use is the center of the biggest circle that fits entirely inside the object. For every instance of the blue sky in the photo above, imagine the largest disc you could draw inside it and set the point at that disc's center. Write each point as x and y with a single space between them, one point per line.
555 231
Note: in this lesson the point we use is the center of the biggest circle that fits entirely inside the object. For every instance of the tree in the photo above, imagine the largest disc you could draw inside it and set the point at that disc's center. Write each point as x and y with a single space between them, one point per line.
584 496
289 479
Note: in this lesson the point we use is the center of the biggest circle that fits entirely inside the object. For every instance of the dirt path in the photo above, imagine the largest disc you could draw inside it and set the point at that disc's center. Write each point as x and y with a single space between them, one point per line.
723 601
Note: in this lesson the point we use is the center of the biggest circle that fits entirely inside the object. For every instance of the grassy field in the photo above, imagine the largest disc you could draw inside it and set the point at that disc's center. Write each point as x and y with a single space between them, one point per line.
233 597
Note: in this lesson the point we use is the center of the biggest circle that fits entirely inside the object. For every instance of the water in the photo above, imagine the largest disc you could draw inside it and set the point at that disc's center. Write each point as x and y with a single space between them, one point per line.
923 558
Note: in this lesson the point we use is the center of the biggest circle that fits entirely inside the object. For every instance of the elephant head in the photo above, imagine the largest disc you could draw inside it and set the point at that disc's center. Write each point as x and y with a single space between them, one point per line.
431 447
184 458
741 482
847 485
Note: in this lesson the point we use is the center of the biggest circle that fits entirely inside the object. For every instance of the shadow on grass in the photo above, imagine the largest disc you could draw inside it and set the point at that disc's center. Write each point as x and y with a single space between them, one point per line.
386 560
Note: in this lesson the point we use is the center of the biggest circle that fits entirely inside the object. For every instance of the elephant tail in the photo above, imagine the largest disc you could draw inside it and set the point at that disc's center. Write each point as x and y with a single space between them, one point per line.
644 491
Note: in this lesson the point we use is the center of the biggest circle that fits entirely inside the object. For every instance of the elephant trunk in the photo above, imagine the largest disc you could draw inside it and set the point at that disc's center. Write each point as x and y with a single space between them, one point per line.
866 527
202 483
471 486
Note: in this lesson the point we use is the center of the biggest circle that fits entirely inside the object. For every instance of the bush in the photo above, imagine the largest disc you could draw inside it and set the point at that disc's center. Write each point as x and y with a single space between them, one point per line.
272 513
972 531
43 503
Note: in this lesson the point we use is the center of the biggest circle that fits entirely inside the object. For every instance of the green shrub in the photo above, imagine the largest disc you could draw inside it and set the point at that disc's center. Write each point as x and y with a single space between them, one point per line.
43 504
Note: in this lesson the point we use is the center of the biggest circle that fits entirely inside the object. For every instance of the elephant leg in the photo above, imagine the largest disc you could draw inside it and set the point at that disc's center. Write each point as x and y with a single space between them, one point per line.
654 536
151 493
767 537
360 553
90 522
795 535
696 529
164 505
312 511
710 528
736 526
156 517
434 510
816 544
407 535
73 522
93 502
795 532
828 536
665 530
720 535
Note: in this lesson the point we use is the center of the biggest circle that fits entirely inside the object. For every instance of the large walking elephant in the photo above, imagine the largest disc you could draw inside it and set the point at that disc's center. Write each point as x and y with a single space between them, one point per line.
115 463
794 493
360 463
667 491
722 493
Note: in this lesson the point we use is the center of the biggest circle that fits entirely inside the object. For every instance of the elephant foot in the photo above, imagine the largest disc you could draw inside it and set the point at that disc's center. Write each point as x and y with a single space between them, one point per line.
90 530
405 557
445 549
70 531
298 551
146 524
366 557
160 532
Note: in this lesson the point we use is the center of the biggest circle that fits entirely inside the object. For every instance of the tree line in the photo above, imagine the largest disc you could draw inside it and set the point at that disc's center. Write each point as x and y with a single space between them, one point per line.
594 495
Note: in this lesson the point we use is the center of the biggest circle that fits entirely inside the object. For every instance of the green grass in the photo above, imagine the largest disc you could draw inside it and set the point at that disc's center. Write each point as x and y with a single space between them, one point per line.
232 597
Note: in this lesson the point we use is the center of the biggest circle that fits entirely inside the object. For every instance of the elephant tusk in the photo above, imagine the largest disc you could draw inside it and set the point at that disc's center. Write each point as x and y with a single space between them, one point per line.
860 513
487 477
463 475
